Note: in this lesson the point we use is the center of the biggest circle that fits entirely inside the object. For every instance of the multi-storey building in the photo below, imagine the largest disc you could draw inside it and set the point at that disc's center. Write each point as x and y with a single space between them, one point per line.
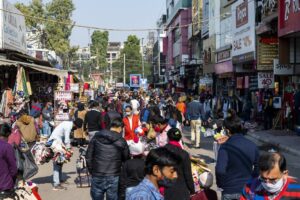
178 19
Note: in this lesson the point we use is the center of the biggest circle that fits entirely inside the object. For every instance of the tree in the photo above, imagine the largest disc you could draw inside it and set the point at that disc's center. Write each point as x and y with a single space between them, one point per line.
133 58
58 34
36 10
54 35
99 47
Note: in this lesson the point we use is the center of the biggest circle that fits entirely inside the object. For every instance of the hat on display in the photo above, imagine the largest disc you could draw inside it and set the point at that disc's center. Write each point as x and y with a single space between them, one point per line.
206 179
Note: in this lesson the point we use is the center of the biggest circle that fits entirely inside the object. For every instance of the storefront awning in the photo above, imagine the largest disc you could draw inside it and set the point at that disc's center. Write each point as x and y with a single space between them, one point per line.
40 68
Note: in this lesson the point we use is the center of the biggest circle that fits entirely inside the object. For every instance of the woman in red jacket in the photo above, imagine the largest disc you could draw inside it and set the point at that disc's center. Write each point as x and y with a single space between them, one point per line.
131 122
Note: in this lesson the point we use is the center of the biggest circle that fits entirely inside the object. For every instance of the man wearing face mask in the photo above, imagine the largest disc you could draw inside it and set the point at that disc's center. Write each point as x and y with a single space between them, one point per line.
106 153
160 169
131 122
273 182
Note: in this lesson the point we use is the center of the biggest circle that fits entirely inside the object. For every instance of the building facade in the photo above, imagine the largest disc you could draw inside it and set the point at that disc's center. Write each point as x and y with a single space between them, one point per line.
178 19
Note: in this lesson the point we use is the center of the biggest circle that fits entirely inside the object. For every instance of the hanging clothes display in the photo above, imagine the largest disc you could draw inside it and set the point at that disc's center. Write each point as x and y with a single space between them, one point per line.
22 87
7 99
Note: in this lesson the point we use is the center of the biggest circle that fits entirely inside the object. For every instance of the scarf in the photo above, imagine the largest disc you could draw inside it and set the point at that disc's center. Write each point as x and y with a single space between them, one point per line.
175 143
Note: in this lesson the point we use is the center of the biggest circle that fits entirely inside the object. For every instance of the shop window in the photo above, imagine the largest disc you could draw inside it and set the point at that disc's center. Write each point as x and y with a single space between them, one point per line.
295 50
177 34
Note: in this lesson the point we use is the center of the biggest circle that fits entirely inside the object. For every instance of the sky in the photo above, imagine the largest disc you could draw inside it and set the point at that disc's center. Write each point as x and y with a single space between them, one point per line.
119 14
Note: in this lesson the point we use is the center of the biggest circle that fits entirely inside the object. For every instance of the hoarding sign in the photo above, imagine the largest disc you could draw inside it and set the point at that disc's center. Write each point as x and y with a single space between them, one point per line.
289 15
280 69
205 19
135 80
74 87
63 96
265 80
13 29
244 29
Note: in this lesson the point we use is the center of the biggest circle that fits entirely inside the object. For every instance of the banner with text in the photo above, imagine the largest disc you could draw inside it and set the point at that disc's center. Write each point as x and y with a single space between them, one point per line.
265 80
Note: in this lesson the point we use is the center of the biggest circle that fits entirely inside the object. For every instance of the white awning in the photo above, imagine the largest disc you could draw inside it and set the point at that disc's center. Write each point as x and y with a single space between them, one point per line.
40 68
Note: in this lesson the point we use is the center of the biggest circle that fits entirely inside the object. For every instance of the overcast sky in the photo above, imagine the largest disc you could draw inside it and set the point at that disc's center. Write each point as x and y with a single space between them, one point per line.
117 14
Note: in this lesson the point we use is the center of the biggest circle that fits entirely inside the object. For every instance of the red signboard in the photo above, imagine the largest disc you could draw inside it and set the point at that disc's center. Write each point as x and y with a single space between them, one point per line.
289 15
242 14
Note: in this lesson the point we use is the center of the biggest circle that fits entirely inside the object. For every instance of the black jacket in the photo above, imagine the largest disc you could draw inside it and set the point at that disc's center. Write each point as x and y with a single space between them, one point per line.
184 185
132 174
106 153
92 121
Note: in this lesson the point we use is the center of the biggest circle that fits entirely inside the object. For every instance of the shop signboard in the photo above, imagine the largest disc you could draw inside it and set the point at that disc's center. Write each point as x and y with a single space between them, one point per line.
119 84
205 19
280 69
63 96
13 29
267 51
244 28
224 67
89 93
62 117
74 87
289 15
223 55
135 80
265 80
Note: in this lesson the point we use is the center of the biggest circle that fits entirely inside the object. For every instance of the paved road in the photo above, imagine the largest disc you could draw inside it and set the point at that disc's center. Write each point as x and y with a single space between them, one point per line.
44 177
44 181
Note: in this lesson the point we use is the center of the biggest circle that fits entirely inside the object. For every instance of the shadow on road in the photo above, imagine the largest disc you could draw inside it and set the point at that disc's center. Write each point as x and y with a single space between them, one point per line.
49 179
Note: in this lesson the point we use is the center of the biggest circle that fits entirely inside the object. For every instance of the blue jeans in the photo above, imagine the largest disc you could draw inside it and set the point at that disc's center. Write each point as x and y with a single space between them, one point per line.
46 129
105 184
57 174
231 196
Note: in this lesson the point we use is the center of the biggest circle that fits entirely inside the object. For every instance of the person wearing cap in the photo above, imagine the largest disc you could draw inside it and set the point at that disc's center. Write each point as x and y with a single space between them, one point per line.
8 169
184 185
62 133
133 170
273 182
206 180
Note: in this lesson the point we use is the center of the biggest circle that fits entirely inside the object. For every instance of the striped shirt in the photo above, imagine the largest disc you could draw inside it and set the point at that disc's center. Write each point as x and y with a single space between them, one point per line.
254 191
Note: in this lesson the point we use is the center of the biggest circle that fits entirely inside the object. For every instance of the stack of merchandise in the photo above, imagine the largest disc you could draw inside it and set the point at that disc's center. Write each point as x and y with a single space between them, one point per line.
41 153
198 167
27 190
61 153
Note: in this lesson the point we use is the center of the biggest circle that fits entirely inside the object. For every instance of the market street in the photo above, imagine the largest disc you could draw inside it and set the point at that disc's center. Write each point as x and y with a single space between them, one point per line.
44 177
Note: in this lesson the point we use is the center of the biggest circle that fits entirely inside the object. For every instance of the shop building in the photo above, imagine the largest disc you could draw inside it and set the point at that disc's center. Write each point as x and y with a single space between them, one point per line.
178 18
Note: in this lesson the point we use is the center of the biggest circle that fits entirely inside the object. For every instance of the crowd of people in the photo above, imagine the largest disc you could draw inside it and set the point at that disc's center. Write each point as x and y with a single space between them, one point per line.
135 149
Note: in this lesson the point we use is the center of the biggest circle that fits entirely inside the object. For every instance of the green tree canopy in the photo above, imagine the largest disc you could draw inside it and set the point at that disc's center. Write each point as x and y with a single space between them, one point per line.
132 49
35 9
99 47
56 35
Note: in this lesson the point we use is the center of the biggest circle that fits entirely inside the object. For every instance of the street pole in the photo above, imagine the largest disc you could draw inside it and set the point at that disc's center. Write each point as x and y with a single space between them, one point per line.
124 71
143 64
111 72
